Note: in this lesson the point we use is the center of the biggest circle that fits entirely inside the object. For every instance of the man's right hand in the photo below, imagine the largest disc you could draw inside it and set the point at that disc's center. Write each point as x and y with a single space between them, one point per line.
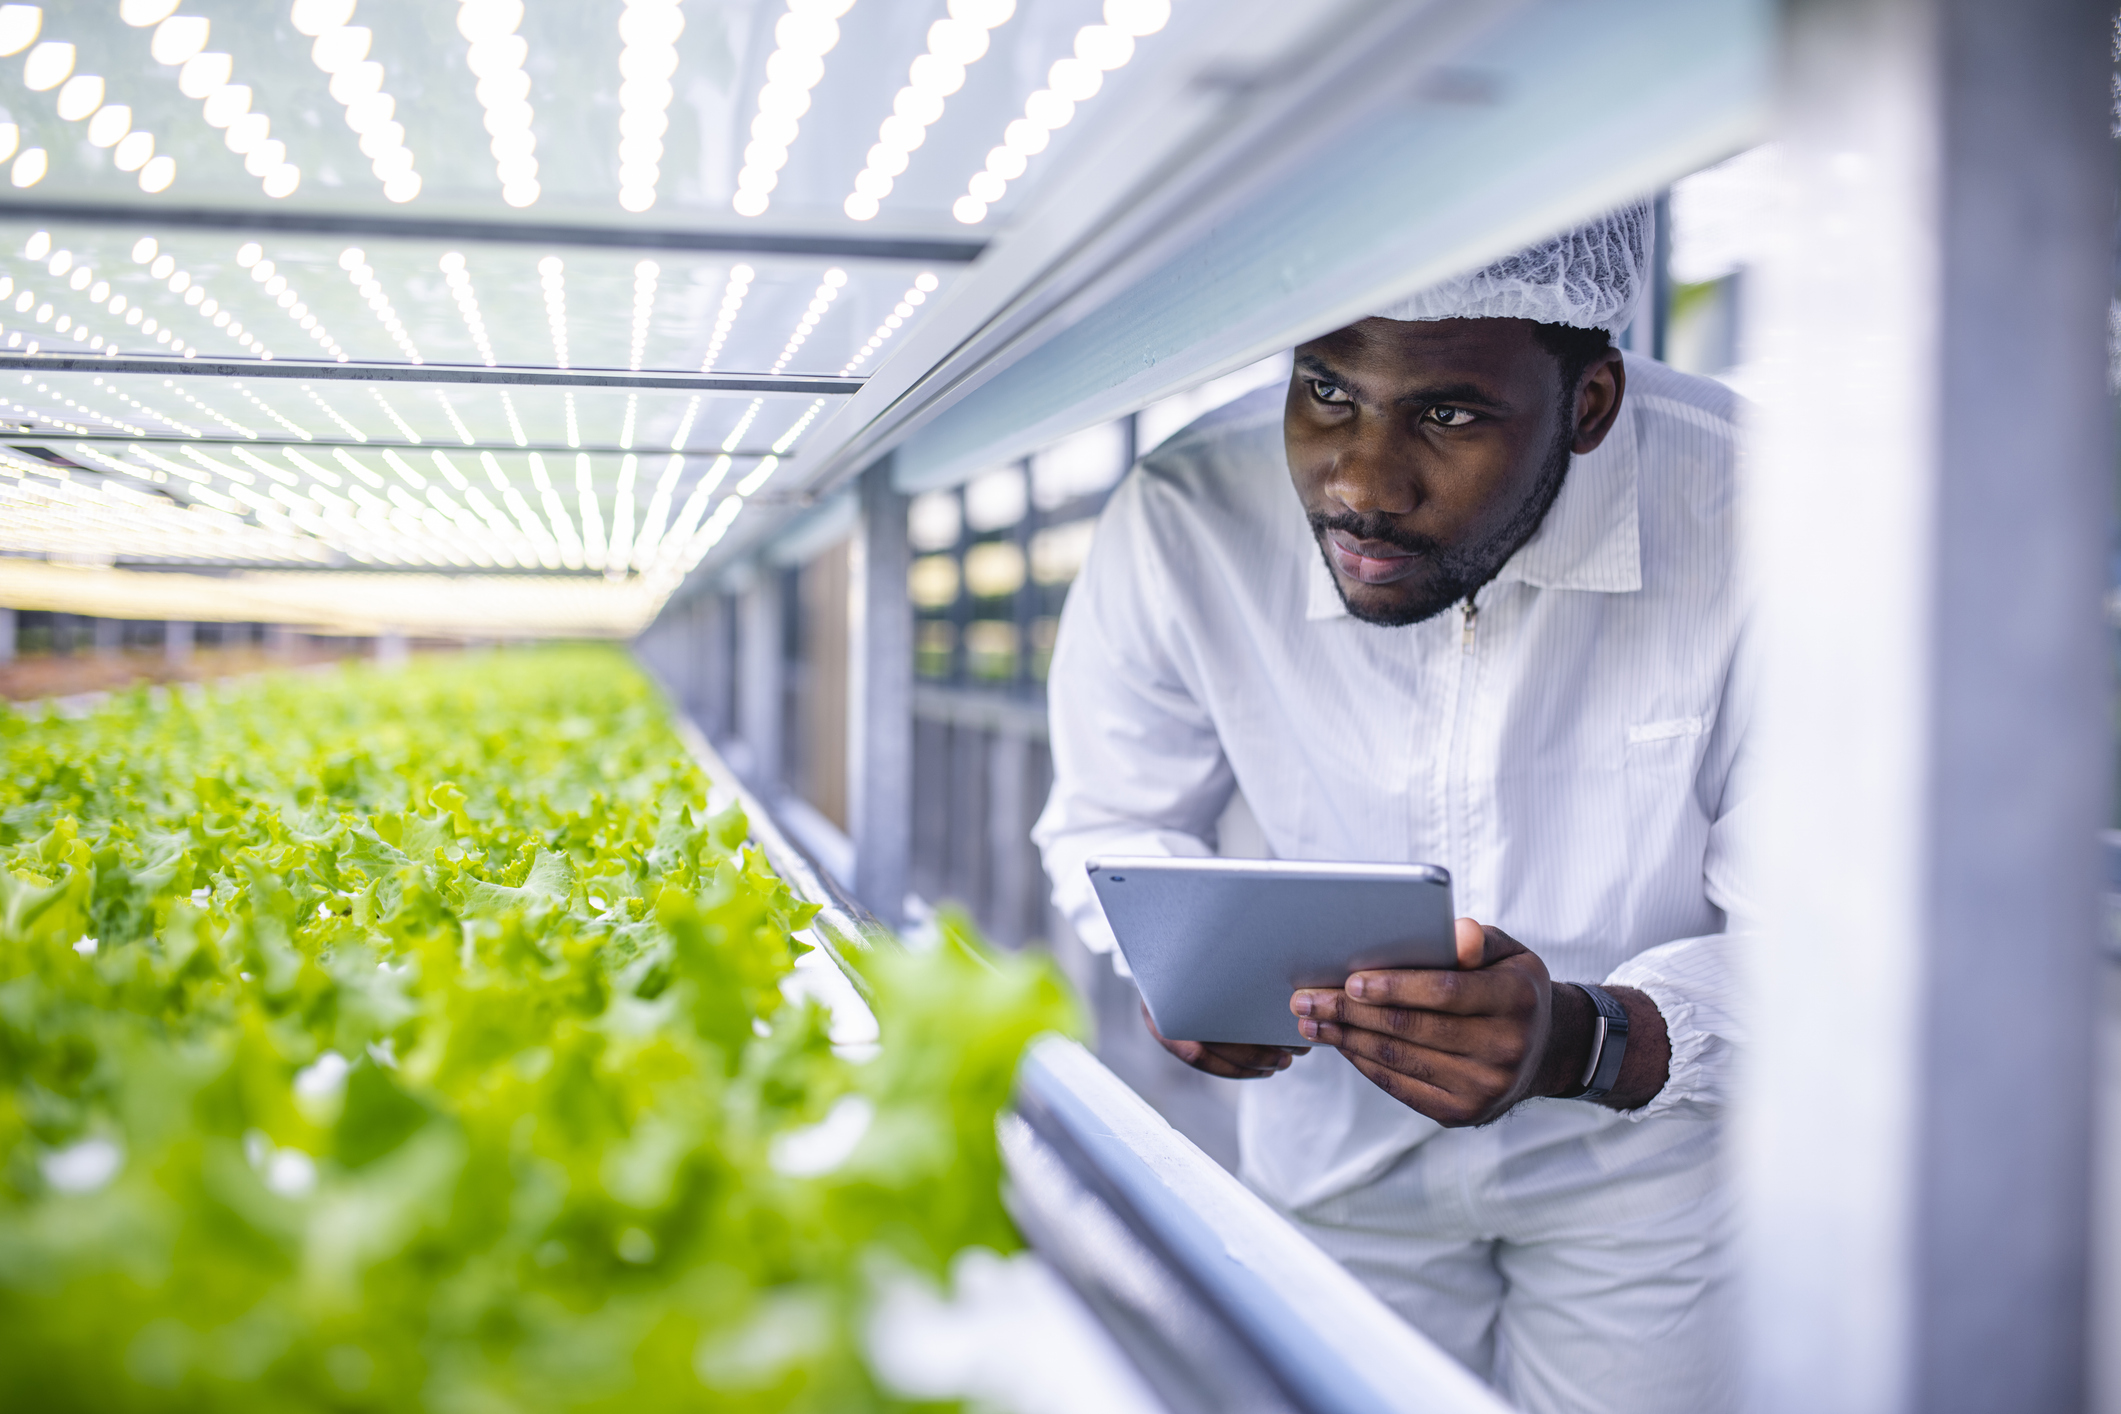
1227 1059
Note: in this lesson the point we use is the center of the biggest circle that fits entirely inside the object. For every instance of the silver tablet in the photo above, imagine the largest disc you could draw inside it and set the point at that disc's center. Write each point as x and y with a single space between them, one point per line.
1217 945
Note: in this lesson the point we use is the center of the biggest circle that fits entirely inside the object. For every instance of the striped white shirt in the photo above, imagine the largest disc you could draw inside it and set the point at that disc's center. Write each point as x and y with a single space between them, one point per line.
1573 767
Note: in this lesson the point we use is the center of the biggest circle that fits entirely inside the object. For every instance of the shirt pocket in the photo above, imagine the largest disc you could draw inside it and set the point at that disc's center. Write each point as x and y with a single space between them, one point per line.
1667 831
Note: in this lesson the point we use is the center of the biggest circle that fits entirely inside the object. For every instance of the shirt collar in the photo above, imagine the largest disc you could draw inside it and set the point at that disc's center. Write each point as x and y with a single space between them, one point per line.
1590 540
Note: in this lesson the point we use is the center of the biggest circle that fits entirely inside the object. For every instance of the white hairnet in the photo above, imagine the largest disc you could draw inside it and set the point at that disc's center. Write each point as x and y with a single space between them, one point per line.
1590 278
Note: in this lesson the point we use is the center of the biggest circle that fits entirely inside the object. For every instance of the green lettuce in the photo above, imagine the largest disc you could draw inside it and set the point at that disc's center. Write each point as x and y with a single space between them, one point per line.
416 1040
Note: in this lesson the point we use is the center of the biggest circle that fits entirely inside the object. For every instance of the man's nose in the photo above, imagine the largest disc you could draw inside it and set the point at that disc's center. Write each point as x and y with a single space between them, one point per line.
1369 476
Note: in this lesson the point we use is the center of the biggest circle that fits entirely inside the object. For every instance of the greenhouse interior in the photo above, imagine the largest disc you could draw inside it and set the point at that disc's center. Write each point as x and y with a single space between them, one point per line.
668 740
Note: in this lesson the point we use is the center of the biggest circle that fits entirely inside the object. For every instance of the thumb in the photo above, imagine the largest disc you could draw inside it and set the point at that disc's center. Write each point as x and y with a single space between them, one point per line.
1480 946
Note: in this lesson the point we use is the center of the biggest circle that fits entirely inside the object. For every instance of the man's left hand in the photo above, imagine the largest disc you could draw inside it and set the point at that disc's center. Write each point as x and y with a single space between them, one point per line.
1464 1047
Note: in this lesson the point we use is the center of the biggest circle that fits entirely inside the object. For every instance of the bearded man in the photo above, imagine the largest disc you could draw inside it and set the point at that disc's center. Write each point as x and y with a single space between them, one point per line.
1463 595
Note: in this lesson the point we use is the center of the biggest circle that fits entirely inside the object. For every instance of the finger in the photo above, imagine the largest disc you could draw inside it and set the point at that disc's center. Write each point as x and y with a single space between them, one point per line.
1472 943
1272 1059
1210 1060
1440 1105
1459 1076
1501 989
1439 1031
1481 946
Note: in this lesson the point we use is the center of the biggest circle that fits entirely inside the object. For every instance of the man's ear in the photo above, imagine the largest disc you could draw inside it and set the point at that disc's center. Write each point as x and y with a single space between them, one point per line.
1598 398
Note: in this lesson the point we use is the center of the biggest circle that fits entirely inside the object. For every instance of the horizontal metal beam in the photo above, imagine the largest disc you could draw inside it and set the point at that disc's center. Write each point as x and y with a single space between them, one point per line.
452 229
624 380
29 440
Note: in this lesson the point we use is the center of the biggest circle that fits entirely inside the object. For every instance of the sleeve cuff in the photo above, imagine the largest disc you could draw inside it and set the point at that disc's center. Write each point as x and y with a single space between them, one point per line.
1698 1076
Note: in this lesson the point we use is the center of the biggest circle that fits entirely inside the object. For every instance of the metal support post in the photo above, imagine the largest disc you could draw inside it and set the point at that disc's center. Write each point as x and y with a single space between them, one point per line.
109 637
1934 709
880 698
176 640
7 635
761 676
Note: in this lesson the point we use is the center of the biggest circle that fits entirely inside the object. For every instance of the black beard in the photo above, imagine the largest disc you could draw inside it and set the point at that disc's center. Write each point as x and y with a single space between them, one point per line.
1452 575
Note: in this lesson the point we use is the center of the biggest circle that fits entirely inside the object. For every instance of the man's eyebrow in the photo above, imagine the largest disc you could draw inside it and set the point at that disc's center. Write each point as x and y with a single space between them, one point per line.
1312 363
1456 394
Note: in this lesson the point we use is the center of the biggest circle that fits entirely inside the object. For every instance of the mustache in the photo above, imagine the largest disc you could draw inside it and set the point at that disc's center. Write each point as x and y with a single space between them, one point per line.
1374 527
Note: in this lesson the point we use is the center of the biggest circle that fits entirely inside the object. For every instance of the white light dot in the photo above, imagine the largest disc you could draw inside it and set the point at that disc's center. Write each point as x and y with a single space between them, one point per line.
970 210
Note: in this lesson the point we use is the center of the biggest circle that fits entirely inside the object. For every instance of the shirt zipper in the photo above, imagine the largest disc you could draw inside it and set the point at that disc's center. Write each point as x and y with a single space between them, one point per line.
1457 750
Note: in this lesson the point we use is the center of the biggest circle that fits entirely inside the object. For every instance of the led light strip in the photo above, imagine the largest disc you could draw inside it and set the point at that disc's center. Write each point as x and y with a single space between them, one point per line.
226 421
41 415
180 43
556 511
463 432
333 413
644 278
828 290
497 55
79 277
688 542
515 424
51 65
341 50
743 425
688 522
953 45
270 411
1098 50
163 266
552 277
162 417
355 263
543 538
593 550
251 256
917 293
404 427
803 37
622 515
650 29
658 514
740 278
574 428
453 270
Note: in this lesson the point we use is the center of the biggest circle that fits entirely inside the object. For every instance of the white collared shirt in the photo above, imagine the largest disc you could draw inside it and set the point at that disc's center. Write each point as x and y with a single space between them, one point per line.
1572 767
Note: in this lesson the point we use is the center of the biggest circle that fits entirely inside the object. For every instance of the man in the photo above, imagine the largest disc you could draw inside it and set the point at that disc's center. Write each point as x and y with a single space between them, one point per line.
1466 596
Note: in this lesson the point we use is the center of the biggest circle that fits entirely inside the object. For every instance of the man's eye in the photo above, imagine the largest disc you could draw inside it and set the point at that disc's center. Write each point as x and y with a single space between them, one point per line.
1449 416
1328 392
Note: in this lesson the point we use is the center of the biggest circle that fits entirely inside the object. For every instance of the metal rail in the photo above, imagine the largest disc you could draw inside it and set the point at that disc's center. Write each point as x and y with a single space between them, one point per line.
514 376
30 441
451 229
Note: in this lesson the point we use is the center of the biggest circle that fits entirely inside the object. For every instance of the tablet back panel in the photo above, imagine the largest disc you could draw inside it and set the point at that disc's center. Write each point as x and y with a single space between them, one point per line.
1217 945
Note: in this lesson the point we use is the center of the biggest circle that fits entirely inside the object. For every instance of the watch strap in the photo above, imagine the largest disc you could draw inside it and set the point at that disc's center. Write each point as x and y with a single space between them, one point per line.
1609 1043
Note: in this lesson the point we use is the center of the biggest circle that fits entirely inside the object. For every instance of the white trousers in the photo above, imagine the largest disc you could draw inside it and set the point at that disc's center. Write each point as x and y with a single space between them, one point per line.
1586 1275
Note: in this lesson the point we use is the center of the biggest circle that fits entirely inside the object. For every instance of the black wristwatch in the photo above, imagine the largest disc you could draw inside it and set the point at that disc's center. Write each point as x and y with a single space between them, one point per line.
1609 1044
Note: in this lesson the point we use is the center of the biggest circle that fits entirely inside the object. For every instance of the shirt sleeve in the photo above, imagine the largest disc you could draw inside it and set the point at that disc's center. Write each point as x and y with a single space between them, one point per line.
1137 765
1695 982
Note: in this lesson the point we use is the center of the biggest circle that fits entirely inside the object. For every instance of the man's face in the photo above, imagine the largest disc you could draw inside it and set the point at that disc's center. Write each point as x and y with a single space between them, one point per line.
1426 453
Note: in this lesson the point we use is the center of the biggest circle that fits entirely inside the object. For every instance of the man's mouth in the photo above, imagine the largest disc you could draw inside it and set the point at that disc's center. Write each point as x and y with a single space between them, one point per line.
1369 561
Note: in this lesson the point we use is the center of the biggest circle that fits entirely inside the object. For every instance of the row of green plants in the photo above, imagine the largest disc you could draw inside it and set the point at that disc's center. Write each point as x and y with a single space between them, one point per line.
417 1040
